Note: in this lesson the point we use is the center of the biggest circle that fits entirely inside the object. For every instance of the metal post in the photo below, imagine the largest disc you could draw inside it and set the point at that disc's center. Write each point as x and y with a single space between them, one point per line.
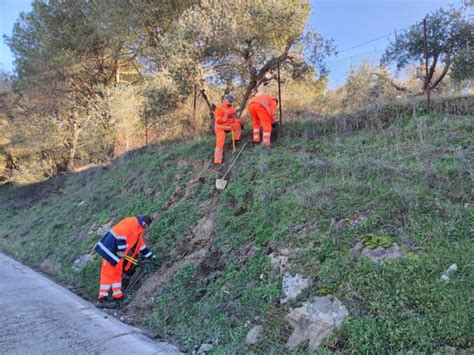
279 99
427 84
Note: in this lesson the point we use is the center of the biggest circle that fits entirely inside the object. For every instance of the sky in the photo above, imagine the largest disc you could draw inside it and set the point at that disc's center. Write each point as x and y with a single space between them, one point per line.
349 23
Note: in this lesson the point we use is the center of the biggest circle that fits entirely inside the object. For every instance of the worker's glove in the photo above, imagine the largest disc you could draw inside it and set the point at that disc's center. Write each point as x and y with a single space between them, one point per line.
121 254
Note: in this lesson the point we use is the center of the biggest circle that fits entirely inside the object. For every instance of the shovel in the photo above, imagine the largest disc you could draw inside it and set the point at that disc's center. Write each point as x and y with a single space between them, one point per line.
222 182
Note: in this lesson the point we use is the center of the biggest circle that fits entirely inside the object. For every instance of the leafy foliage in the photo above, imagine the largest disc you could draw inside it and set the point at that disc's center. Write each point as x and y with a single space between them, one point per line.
448 34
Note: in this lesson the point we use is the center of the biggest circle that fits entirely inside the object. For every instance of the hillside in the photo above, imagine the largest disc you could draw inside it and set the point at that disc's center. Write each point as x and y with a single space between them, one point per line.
312 197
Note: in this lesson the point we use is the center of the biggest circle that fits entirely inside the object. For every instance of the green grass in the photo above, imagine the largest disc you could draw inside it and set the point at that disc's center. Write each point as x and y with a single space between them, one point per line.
412 183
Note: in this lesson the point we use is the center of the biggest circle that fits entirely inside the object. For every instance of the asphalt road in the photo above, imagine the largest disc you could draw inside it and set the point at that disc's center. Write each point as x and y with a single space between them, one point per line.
41 317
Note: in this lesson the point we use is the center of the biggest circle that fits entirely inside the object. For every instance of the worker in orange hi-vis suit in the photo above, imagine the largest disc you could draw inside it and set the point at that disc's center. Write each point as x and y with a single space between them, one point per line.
262 109
225 121
124 239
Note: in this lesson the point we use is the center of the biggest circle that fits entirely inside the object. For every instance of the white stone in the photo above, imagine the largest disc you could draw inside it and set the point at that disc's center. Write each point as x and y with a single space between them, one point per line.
253 335
293 286
315 321
205 348
280 260
453 268
81 261
449 272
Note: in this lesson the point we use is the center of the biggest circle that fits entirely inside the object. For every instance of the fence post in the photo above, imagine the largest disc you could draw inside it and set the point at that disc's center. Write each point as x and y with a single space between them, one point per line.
146 125
425 48
279 99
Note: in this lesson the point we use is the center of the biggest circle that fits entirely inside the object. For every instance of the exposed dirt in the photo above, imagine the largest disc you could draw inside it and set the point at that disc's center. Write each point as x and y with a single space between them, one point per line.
188 191
194 250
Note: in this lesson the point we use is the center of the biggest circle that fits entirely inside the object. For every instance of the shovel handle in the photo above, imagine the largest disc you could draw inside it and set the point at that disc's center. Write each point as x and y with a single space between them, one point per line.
233 163
233 140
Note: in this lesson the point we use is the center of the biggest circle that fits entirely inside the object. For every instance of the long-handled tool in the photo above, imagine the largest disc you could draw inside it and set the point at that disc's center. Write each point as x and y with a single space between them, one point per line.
233 140
222 182
131 260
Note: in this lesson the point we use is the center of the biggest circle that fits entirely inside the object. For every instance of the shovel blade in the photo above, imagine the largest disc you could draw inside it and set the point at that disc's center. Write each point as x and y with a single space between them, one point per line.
221 184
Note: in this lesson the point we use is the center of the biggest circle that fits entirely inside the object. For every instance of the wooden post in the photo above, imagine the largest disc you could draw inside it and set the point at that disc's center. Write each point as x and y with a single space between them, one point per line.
279 99
194 109
146 125
425 48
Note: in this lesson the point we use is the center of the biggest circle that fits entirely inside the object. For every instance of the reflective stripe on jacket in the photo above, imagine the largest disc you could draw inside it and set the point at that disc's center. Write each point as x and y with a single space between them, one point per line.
122 238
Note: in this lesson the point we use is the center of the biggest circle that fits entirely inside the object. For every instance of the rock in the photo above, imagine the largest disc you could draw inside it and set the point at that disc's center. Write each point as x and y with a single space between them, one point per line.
445 278
105 227
102 229
205 348
253 335
280 260
380 253
81 261
293 286
356 251
453 268
314 321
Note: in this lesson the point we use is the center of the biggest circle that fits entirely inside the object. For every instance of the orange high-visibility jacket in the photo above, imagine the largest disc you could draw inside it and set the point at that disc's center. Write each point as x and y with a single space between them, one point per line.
130 229
224 117
267 101
123 237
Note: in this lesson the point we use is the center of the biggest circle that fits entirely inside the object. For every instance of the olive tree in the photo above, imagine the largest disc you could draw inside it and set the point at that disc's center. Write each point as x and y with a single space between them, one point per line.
448 35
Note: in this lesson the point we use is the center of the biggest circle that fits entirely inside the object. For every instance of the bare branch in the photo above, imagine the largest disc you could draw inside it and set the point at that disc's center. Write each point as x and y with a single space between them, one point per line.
441 76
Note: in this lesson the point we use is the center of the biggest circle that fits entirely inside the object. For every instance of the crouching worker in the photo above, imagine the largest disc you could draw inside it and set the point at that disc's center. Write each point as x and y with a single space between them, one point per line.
225 121
262 110
124 240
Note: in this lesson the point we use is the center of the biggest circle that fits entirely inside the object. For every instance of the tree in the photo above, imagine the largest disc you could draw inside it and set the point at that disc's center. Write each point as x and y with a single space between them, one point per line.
448 33
73 52
238 43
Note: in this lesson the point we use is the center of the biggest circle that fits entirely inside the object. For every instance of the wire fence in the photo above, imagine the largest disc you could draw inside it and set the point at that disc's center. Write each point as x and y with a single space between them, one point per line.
277 333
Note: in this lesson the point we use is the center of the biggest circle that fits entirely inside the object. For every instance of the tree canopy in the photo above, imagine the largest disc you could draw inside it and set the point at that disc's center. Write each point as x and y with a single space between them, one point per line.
448 37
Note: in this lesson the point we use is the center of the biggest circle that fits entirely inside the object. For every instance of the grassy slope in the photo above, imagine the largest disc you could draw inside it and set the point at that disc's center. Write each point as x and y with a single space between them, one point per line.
412 181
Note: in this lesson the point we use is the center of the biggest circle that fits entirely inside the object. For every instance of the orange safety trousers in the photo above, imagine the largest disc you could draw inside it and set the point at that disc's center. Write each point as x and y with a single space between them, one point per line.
237 128
220 140
261 117
111 277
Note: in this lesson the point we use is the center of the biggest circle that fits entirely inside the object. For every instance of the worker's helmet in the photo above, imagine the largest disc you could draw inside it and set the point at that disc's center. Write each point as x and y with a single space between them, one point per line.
229 98
147 220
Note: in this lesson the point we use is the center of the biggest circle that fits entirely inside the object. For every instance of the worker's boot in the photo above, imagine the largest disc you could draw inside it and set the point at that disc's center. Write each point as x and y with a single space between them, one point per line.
117 302
105 303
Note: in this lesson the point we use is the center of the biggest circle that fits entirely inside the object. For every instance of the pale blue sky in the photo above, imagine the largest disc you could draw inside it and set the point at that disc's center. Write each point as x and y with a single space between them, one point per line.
348 22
